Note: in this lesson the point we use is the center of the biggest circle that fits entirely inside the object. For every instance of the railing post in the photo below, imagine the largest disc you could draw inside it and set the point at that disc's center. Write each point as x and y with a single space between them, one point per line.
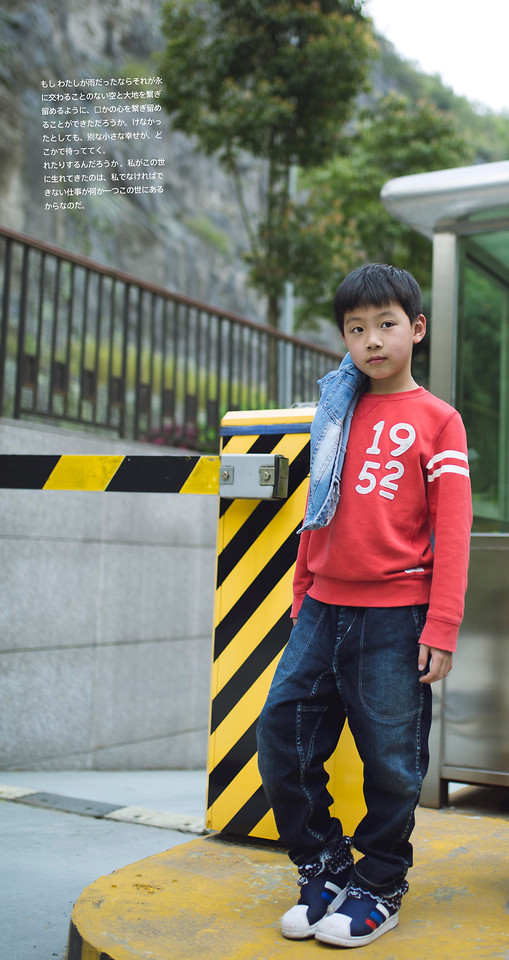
5 318
125 328
21 331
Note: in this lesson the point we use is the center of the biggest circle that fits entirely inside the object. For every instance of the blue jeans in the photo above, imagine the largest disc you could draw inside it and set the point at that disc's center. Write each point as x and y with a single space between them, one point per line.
360 663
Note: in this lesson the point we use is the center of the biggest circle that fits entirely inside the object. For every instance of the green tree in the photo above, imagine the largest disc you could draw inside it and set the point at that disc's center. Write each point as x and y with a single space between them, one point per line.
343 222
275 78
484 130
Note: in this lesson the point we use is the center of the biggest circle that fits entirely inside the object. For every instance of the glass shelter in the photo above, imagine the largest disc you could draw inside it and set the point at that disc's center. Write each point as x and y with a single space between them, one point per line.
465 212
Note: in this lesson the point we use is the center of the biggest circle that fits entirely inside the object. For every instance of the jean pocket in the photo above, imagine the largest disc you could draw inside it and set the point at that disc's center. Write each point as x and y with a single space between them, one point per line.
389 685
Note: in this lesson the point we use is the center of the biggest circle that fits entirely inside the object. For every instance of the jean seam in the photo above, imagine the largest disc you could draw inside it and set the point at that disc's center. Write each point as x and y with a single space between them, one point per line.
340 640
419 619
407 830
303 758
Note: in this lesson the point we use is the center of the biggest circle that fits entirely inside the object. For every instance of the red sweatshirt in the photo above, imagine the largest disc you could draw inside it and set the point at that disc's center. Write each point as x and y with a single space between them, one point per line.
405 476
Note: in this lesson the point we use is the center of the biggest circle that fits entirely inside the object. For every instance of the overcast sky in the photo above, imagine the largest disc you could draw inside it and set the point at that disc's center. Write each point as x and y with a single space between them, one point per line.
466 43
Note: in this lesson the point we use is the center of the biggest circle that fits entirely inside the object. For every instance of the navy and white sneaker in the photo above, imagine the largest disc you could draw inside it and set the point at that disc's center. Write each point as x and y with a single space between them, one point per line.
360 919
319 896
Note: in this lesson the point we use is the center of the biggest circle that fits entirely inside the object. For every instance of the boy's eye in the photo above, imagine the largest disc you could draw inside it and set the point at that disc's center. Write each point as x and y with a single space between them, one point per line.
356 330
388 323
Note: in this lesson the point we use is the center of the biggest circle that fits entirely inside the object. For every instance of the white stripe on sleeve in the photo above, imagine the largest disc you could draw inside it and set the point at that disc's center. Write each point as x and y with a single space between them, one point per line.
450 454
448 468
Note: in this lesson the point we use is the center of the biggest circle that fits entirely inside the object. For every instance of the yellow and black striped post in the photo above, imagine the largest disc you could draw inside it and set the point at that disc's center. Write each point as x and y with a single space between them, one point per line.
256 553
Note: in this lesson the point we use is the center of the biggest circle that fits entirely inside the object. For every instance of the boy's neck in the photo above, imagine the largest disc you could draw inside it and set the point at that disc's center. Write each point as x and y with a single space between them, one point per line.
381 387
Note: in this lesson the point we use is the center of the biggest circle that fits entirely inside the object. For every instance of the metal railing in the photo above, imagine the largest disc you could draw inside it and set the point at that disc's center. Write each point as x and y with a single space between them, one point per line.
86 344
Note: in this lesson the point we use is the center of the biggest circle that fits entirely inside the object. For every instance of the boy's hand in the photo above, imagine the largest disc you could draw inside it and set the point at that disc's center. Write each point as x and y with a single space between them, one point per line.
440 665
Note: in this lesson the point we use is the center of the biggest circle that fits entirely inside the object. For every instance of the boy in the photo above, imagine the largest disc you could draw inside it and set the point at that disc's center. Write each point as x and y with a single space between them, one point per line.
376 613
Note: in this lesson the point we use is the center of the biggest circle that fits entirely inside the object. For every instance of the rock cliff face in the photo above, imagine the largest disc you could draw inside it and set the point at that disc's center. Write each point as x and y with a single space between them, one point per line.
190 237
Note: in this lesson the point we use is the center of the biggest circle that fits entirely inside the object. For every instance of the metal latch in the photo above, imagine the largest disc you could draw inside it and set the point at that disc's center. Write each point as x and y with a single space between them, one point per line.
254 476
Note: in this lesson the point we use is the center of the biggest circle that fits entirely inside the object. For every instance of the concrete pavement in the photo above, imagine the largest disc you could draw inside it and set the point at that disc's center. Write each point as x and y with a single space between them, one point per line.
48 856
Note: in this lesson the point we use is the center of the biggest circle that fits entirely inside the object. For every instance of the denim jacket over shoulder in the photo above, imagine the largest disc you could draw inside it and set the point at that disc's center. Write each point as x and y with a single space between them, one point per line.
339 391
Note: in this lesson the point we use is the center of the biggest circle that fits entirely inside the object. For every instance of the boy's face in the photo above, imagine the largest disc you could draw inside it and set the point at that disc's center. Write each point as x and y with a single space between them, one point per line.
380 341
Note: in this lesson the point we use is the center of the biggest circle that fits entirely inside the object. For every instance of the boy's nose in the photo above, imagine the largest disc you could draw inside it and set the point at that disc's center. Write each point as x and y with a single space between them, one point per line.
374 339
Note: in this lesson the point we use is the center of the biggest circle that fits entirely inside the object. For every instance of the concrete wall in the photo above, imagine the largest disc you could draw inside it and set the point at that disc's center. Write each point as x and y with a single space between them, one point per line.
105 619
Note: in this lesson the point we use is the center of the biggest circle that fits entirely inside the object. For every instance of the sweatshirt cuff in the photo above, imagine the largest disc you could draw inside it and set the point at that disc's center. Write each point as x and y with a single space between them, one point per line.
440 634
297 603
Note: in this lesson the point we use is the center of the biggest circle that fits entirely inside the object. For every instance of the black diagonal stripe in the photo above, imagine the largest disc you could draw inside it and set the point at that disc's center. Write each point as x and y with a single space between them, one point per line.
259 518
256 593
250 670
264 443
232 763
74 943
249 815
152 474
24 472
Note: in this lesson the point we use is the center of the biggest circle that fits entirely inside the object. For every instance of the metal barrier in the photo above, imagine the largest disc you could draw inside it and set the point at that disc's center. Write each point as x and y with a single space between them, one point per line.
82 343
257 476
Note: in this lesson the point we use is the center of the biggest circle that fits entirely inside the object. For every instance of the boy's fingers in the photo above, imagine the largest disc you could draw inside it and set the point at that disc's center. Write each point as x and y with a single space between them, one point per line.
423 656
440 665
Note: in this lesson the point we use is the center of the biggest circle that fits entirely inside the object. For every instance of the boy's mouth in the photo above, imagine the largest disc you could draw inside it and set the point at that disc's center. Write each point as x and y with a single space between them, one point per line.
376 359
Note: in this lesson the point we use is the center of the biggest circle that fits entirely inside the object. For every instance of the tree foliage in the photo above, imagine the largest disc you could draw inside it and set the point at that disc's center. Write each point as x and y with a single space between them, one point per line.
342 222
486 132
275 78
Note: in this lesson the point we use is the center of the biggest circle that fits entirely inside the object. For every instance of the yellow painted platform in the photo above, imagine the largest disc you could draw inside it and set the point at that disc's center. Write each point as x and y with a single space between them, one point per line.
215 899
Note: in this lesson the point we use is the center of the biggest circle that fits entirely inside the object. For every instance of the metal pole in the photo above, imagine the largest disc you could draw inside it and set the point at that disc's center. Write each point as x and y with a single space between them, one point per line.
286 349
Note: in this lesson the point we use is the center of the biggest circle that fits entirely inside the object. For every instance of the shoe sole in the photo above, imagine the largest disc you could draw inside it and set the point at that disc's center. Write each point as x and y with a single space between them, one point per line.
307 933
326 937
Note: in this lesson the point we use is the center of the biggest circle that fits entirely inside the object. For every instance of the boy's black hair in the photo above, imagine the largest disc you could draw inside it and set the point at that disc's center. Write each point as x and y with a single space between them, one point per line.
378 285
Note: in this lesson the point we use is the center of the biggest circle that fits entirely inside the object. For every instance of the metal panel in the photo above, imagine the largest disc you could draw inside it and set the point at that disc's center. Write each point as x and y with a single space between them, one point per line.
470 733
443 316
476 715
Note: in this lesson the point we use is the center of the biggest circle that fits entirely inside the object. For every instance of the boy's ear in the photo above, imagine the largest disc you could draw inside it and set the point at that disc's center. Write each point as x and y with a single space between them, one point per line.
419 331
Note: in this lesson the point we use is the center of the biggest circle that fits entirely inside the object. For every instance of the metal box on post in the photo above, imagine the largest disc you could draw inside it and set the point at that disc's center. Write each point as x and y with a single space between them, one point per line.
256 552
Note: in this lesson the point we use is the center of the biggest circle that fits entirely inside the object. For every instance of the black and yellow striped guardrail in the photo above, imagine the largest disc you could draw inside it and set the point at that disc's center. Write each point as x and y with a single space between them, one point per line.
153 474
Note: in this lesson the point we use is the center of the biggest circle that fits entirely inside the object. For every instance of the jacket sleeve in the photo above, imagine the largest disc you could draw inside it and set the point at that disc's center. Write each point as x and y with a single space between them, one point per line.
450 508
303 578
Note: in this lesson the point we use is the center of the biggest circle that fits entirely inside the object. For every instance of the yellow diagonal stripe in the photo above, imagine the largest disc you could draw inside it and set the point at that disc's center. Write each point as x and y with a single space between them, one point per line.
236 794
88 952
266 828
204 478
83 473
239 444
235 517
